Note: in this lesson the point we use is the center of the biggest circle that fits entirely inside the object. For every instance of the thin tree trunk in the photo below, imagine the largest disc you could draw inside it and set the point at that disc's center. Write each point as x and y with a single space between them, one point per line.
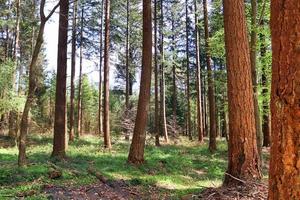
211 85
174 102
188 120
156 89
73 66
32 84
198 79
162 80
243 155
136 153
253 53
100 118
284 181
106 124
79 103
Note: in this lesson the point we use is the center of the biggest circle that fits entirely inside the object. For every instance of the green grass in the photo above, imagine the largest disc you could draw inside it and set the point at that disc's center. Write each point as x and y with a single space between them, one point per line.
174 170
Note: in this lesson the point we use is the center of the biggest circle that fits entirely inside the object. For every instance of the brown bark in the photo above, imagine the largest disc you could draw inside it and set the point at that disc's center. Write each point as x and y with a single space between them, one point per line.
79 101
242 147
188 114
253 53
198 79
59 140
264 93
162 78
106 124
136 153
73 66
32 84
284 174
156 114
211 86
100 118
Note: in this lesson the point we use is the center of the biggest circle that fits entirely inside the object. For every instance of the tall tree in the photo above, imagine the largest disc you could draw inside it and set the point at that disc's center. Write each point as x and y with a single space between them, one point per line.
136 153
253 43
59 140
211 85
188 114
162 78
106 124
127 55
100 118
32 83
79 98
242 147
284 181
73 64
198 78
156 111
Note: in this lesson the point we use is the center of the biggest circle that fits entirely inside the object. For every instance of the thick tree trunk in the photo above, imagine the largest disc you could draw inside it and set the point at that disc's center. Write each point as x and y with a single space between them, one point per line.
198 79
136 153
253 42
242 147
59 140
106 124
100 110
73 66
156 89
162 80
188 114
79 101
265 106
284 175
211 86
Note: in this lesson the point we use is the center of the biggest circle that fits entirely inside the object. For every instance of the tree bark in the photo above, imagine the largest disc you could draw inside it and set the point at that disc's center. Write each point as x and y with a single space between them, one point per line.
59 140
32 84
242 146
106 124
136 153
79 101
188 114
211 86
100 110
253 53
284 181
198 79
156 89
73 66
174 100
162 79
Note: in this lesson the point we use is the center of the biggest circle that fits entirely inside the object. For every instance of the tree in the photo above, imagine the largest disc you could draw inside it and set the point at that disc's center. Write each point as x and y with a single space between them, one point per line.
73 64
32 83
284 182
106 125
242 147
211 85
136 152
100 118
79 99
59 140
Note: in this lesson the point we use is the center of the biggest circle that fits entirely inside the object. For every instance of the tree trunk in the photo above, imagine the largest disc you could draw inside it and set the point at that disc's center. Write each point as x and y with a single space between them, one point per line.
211 85
284 181
100 118
242 147
79 103
156 115
73 64
198 79
188 114
106 125
174 100
59 140
136 153
253 42
265 106
162 80
32 84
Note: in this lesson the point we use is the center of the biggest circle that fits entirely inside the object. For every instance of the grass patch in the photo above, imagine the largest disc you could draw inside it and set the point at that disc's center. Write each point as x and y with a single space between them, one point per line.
175 170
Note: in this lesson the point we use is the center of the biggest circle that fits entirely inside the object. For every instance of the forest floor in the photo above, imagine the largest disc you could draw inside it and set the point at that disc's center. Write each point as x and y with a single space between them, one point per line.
173 171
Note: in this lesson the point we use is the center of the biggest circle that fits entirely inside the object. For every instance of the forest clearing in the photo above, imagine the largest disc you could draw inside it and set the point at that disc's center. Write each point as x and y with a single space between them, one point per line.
150 99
